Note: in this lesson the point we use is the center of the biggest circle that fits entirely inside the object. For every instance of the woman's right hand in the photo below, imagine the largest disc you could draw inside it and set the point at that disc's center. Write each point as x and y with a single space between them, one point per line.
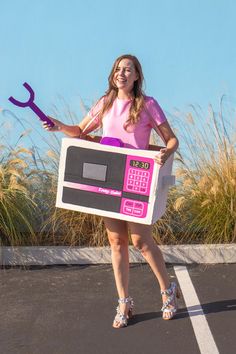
57 125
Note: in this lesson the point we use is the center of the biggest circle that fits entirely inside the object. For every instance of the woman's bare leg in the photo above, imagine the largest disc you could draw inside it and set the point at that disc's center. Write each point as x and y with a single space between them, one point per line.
142 239
118 238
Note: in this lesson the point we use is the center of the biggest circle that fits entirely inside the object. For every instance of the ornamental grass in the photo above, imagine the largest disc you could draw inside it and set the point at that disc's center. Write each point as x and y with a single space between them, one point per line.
18 208
201 208
206 174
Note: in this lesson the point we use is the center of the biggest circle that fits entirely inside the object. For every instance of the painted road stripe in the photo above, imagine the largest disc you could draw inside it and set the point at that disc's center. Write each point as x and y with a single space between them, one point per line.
199 322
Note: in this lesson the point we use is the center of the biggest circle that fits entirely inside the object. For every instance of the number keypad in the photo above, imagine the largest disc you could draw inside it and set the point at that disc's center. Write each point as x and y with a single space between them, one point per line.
137 180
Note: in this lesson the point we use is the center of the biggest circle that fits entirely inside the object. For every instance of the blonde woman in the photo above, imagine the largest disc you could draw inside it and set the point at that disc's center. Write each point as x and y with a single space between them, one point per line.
126 113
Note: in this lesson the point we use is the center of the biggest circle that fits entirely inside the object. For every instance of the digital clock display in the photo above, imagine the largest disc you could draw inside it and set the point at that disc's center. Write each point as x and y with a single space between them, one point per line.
140 164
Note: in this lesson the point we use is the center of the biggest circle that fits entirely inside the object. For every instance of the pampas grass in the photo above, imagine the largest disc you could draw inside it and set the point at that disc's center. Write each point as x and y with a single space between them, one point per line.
201 208
206 193
17 206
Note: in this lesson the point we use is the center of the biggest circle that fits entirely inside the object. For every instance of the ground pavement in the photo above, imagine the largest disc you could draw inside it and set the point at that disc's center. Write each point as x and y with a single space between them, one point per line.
70 309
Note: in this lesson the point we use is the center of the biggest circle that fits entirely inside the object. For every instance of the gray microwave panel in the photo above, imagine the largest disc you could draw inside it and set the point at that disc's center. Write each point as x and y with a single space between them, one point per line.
86 165
94 171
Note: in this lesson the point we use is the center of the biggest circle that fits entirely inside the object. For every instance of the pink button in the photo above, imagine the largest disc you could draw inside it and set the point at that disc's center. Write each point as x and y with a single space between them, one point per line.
143 184
129 186
137 183
143 190
137 212
129 203
128 210
136 188
146 174
130 181
138 178
144 179
138 205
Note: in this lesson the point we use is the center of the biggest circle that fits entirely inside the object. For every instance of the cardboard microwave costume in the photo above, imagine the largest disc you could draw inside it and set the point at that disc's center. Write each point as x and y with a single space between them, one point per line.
112 181
108 180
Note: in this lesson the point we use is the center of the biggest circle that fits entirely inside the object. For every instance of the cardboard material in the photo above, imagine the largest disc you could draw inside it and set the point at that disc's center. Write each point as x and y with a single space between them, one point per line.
111 181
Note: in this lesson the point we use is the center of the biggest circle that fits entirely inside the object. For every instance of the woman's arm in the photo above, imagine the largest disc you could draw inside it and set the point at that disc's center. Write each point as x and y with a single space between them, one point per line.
171 141
74 131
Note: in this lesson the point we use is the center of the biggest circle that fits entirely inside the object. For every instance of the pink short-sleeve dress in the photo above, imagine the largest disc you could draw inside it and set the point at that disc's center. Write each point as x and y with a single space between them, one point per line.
114 121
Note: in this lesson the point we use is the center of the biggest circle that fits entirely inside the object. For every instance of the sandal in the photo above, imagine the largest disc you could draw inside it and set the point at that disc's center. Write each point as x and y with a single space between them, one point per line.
120 318
170 305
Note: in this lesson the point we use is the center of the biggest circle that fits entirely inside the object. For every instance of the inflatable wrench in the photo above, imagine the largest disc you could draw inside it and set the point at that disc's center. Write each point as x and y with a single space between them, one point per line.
30 103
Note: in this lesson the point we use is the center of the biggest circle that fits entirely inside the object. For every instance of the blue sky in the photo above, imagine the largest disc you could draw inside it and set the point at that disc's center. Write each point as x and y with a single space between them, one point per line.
67 47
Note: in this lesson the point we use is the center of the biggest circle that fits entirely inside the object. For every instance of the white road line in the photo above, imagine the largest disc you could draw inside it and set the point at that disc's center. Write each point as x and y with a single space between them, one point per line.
199 322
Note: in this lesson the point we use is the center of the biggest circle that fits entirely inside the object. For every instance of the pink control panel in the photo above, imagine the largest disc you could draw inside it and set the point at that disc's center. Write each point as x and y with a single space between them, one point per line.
137 180
138 175
134 207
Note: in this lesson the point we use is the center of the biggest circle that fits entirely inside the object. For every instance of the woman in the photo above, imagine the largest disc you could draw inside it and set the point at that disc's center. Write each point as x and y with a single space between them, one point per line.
126 113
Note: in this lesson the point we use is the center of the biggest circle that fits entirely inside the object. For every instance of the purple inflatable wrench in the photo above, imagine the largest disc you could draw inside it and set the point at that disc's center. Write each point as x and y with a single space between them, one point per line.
30 103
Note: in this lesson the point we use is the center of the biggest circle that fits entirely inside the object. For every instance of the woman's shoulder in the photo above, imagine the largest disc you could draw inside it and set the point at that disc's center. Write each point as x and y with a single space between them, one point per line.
151 103
149 100
96 107
154 110
100 101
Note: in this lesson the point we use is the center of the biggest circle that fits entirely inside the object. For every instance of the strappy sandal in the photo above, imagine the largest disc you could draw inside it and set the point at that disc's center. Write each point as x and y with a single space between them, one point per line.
120 318
170 305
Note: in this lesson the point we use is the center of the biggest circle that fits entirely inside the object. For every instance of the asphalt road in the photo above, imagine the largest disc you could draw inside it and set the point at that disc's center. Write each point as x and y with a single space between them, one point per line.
70 309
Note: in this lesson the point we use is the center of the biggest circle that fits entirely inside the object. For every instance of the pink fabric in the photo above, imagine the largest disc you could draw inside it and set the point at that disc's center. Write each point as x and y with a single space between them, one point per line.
136 136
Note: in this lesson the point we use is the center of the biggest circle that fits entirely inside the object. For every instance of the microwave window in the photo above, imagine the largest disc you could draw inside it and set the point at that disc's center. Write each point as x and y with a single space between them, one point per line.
94 171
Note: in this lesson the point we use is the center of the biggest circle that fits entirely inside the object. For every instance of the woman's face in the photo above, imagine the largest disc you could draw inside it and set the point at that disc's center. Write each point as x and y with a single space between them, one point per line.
125 75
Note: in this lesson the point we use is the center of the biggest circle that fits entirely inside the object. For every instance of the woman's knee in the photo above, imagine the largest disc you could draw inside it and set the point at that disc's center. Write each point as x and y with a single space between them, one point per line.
117 233
117 241
139 243
141 236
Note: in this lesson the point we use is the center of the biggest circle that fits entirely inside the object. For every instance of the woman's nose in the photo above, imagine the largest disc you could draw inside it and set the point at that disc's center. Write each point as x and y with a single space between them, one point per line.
121 71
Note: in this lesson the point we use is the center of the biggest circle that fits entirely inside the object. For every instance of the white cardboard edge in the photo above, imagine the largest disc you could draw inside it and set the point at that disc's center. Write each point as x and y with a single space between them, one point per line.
57 255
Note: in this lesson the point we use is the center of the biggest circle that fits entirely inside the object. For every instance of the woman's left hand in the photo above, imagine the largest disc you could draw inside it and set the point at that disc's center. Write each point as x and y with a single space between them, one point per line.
162 156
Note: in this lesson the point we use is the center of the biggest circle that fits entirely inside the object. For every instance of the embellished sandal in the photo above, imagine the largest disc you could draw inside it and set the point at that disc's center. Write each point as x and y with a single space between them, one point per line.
120 319
170 305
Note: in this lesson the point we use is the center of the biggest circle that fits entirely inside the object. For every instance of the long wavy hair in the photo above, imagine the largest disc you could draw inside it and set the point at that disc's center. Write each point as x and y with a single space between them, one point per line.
137 103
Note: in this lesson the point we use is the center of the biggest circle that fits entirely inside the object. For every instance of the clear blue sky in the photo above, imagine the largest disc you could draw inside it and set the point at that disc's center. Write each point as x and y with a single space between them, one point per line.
67 47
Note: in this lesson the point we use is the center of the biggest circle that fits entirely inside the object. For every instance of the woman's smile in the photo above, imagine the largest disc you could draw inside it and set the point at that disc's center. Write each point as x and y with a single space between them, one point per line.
120 81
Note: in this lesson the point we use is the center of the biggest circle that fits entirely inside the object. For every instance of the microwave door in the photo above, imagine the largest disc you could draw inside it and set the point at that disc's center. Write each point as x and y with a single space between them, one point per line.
93 178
